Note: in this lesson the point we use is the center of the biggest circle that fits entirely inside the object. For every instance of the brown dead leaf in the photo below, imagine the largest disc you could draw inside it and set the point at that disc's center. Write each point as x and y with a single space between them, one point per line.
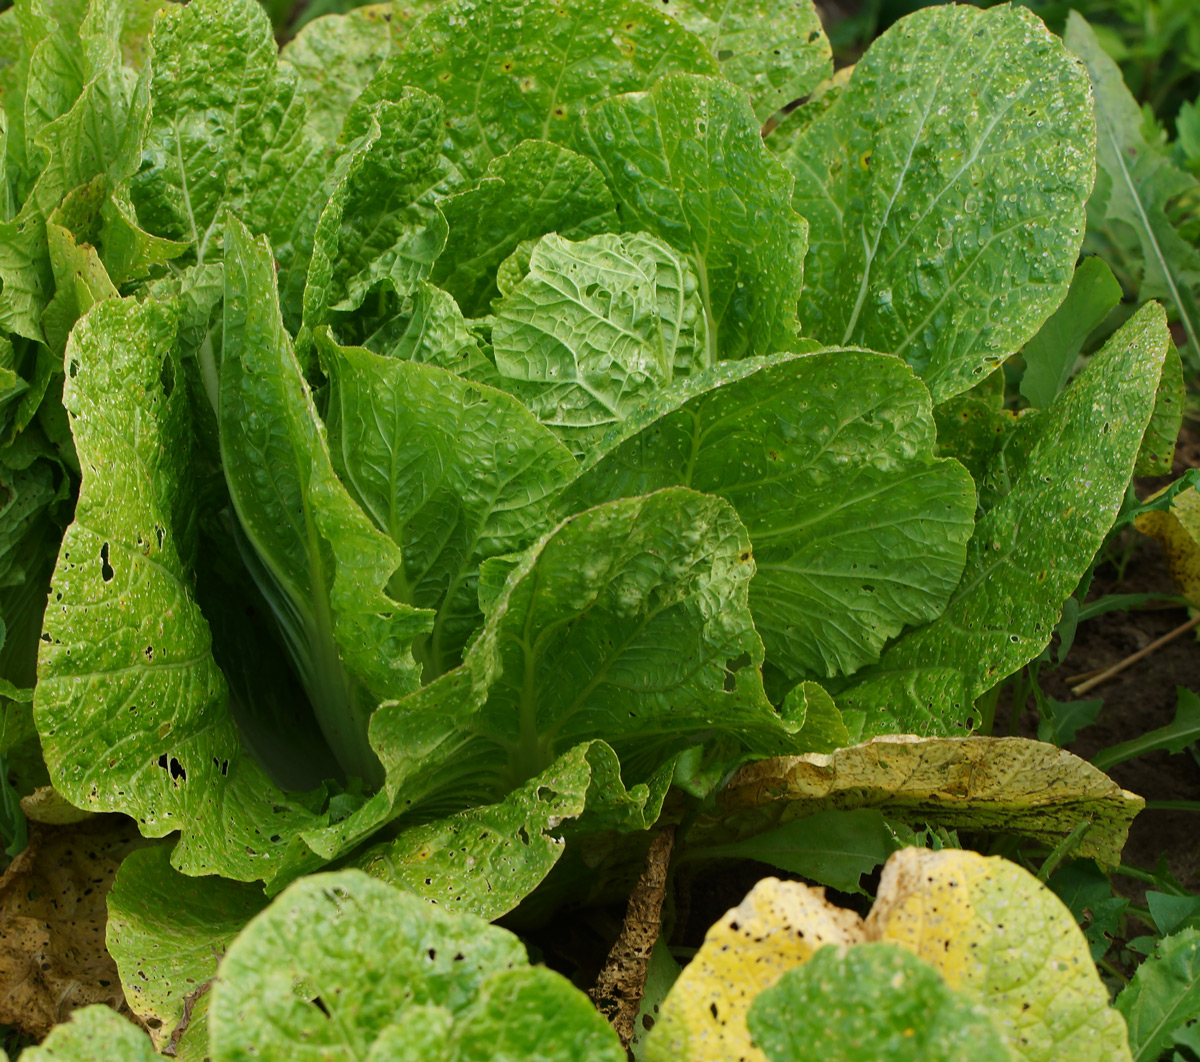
52 920
977 783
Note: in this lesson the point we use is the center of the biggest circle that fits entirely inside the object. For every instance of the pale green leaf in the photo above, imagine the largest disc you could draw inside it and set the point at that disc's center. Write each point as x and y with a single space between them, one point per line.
858 531
874 1002
1030 548
94 1034
536 188
776 50
944 190
686 163
513 70
628 622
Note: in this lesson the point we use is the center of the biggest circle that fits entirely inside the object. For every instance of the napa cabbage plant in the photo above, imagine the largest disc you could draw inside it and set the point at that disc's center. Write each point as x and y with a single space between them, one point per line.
424 445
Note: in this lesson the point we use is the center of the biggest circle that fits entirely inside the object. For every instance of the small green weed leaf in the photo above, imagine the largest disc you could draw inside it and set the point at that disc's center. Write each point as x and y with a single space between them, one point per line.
486 860
1163 996
1172 913
320 561
1088 893
93 1034
1050 355
536 188
1030 548
595 329
125 649
945 189
516 70
451 471
774 49
858 530
832 848
1134 184
997 784
1176 736
166 933
871 1003
627 622
1062 720
686 162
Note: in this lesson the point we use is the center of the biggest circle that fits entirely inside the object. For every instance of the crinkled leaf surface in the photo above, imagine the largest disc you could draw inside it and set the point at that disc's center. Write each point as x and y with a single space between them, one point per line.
858 531
595 329
944 190
778 926
513 70
167 933
627 622
1030 548
537 187
1010 784
484 861
94 1034
321 562
452 471
1163 996
871 1003
686 162
1002 939
131 708
774 49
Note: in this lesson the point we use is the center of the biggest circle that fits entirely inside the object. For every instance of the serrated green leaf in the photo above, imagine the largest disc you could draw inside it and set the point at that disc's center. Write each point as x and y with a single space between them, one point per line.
858 531
1050 355
536 188
94 1034
1134 184
131 708
686 163
628 622
167 933
1030 549
486 860
595 329
944 190
513 70
451 471
873 1002
1176 736
776 50
320 562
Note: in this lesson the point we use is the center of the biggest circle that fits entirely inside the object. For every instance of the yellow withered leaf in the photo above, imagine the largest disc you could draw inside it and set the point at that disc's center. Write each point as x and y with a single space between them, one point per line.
1177 530
1024 787
777 927
996 935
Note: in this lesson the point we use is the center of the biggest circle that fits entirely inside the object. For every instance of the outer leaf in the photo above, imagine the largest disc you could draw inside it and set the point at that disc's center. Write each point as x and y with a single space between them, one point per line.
595 329
451 471
774 49
321 563
1001 938
1157 455
995 784
1134 186
514 70
94 1034
627 622
945 189
857 530
1030 548
485 861
778 926
536 188
167 933
1050 355
686 163
131 708
1163 996
336 959
871 1003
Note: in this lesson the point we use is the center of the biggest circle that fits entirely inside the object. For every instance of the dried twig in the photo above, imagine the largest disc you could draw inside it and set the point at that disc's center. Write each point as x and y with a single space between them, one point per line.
622 982
1129 661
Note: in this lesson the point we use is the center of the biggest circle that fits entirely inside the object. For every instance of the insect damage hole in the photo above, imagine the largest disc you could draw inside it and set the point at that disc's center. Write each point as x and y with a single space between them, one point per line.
106 569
